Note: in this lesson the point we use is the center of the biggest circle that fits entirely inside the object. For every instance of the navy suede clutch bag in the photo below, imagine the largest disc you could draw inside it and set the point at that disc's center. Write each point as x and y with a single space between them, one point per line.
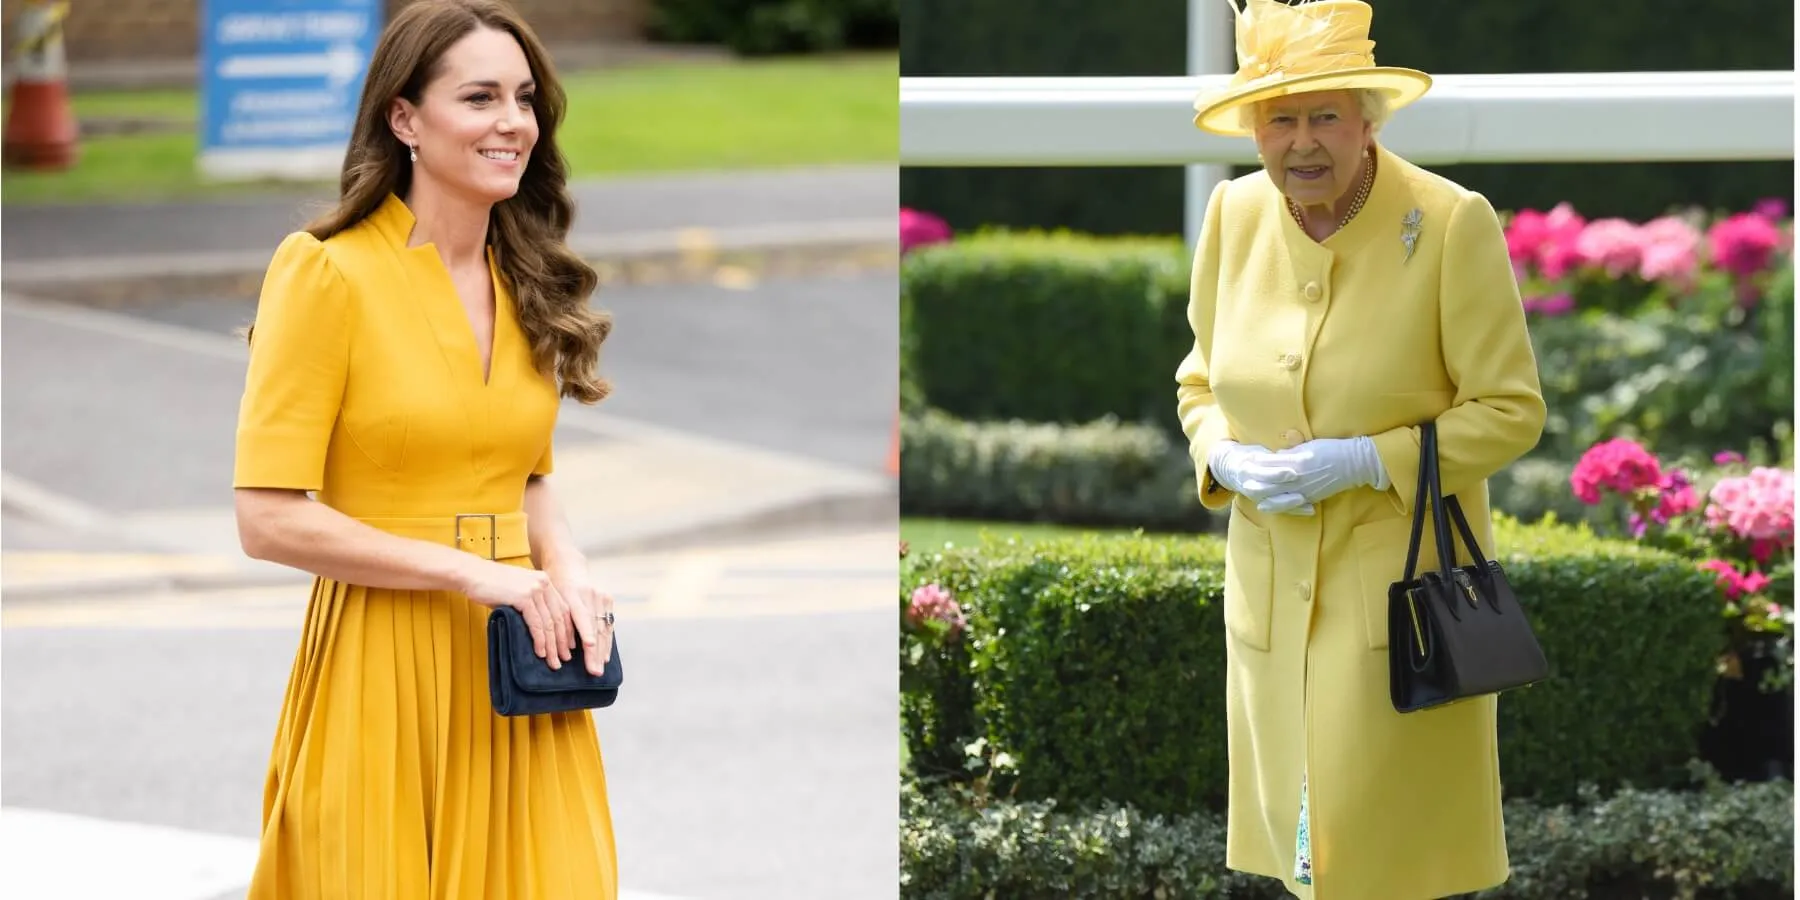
521 684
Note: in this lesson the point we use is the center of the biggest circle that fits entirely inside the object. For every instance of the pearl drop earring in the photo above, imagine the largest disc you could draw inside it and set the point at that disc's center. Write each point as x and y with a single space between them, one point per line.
413 152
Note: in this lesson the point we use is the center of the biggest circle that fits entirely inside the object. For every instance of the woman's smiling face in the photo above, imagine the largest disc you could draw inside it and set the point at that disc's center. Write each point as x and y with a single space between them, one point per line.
474 126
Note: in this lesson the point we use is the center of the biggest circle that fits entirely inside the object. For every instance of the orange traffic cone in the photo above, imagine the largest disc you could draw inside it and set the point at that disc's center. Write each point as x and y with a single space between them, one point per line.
40 123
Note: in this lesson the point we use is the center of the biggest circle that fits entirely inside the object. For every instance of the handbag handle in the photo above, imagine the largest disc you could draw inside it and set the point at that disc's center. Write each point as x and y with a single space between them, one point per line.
1431 492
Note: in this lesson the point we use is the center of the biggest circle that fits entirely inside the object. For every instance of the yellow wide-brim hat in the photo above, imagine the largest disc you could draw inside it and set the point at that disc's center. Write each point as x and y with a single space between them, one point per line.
1319 45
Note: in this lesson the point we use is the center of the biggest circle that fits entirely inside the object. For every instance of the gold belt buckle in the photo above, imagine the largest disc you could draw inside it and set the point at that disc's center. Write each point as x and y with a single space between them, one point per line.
493 532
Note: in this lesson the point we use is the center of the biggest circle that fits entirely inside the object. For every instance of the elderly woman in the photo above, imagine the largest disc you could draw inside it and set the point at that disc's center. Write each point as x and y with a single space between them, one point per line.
1342 297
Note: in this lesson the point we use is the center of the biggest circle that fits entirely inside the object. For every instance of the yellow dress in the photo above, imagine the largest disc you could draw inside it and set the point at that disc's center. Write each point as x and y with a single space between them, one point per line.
391 776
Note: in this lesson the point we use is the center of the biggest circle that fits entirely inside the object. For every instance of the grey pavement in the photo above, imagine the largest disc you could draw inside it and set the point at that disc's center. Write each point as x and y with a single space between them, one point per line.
617 207
750 756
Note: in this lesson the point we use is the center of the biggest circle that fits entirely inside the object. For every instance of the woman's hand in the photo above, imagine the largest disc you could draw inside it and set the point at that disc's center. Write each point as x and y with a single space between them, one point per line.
589 613
535 596
1252 470
1325 467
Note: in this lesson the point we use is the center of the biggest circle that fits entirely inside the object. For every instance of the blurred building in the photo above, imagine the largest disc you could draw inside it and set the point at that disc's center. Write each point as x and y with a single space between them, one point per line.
128 31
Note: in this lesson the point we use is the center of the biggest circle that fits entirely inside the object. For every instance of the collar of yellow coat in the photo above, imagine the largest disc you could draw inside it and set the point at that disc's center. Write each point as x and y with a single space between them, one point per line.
1380 216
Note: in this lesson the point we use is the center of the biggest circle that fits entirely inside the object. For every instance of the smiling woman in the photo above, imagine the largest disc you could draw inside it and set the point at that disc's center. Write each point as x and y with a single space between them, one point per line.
407 359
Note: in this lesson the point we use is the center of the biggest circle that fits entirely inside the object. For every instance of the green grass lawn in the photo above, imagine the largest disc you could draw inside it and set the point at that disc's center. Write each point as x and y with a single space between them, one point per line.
741 114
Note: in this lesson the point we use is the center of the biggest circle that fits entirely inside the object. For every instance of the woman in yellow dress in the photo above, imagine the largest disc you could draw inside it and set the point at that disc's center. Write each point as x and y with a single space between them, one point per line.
407 361
1341 297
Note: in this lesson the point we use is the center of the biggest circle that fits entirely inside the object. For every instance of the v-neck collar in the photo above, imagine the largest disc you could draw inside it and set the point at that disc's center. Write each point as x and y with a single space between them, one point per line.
438 298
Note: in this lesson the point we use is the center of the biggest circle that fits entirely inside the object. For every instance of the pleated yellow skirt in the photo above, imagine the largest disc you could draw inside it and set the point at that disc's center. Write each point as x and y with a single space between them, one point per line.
392 778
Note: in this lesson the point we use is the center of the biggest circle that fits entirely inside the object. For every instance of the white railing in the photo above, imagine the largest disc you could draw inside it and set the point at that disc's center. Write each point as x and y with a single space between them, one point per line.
1113 121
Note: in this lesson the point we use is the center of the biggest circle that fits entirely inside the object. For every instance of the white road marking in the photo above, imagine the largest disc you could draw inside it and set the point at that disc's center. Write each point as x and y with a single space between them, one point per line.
71 857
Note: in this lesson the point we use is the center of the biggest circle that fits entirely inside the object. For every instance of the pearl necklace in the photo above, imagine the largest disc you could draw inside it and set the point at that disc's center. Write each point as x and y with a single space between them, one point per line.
1356 203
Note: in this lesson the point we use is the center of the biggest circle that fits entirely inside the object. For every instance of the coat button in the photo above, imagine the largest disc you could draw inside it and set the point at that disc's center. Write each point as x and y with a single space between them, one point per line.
1304 589
1290 361
1293 437
1313 292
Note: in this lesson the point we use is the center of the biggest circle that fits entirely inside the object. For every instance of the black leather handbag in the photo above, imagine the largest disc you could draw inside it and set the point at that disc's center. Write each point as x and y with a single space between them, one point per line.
1457 632
521 684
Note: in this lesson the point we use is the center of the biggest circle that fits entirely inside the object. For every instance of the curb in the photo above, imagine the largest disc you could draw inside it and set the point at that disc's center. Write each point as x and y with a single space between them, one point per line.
683 255
811 513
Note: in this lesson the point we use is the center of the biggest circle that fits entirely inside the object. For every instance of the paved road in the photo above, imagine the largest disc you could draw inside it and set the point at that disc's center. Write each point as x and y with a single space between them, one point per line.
751 756
634 205
135 412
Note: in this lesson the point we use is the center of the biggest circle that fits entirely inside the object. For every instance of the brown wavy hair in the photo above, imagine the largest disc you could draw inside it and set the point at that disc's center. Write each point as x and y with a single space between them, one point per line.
529 229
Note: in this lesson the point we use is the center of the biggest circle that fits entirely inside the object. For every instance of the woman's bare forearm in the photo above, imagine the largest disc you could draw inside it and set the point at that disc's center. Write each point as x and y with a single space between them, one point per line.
291 529
552 541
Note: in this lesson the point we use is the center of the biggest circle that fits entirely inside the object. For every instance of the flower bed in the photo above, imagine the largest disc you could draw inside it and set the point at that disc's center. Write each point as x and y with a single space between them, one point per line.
1736 522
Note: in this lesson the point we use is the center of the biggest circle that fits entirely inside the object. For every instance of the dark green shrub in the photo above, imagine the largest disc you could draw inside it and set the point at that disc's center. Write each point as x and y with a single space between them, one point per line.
765 27
1108 473
1103 473
1688 380
1086 655
1716 842
1046 328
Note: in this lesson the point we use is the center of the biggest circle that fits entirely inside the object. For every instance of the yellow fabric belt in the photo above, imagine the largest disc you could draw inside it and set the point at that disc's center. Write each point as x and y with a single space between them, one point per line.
489 535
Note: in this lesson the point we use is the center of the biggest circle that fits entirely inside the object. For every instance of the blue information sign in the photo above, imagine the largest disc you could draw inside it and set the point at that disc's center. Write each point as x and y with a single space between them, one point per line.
280 81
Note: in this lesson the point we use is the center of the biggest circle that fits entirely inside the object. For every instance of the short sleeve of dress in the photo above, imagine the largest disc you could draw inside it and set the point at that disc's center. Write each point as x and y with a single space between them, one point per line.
299 354
547 462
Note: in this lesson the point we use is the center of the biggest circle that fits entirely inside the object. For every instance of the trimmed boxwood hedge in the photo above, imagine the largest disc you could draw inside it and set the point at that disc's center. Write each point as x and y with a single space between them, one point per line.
1717 842
1108 473
1083 655
1101 473
1046 327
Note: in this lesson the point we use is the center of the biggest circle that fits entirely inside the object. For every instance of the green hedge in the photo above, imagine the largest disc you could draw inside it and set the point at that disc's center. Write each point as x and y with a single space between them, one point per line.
1111 474
1100 474
1084 655
1149 37
765 27
1046 327
1717 842
1071 329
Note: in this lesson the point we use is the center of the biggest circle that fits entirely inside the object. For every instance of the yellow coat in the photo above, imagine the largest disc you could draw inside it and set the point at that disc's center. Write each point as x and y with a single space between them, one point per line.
1296 340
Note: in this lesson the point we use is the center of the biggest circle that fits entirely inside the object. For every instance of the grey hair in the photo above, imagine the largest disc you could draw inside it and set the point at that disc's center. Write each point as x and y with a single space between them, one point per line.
1376 110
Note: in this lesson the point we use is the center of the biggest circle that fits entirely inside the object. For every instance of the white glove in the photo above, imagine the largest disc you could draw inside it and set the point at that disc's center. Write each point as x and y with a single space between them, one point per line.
1322 468
1250 470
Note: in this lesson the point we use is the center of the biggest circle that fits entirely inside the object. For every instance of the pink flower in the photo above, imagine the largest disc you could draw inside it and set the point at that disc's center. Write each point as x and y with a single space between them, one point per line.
930 602
1730 579
1743 244
1757 506
1613 244
918 229
1620 465
1546 240
1763 549
1772 208
1675 497
1727 457
1752 582
1553 305
1671 251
